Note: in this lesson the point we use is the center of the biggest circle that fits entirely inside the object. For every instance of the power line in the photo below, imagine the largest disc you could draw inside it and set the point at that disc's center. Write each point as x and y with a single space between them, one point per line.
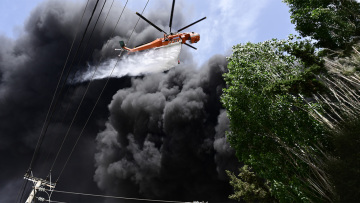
77 110
102 26
68 106
42 133
54 98
102 91
93 106
38 144
67 133
92 32
68 73
116 197
43 200
82 130
21 191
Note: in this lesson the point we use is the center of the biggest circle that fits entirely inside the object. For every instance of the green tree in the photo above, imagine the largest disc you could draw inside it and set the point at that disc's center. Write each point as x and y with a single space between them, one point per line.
249 187
342 116
271 128
334 24
344 167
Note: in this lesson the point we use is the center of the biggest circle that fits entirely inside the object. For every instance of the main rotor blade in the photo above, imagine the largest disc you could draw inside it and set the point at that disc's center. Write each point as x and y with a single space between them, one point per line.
172 13
190 46
192 24
148 21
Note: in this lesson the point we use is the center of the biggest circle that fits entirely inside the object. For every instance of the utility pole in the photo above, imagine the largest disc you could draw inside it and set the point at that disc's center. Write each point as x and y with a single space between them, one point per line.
39 184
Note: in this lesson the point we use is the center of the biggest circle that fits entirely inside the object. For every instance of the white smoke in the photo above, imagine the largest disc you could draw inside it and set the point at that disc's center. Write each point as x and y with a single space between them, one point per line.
138 63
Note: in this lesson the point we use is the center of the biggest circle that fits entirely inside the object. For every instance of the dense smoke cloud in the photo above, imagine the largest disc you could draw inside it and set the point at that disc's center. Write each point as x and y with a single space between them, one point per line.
29 70
165 136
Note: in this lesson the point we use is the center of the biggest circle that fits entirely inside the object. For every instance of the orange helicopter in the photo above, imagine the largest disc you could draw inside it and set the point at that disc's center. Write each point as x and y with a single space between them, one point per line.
168 39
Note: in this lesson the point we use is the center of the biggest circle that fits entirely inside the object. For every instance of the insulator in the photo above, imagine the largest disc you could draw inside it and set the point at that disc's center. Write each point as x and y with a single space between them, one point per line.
42 189
41 199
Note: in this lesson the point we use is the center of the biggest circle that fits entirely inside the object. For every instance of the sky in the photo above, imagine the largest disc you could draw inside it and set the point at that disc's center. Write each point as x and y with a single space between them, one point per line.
159 135
225 26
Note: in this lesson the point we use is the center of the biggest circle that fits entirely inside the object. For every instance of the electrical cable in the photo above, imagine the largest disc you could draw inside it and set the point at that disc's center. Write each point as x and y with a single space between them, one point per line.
116 197
86 44
38 144
41 199
21 191
102 26
68 106
48 118
56 201
82 99
68 73
91 34
95 102
86 91
102 91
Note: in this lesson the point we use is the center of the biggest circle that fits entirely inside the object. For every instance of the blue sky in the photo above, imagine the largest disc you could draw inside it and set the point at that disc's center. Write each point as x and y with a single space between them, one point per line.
228 22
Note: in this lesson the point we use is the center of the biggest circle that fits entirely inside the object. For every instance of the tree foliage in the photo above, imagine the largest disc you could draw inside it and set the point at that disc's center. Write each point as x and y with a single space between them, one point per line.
344 167
292 120
342 116
249 187
271 128
334 24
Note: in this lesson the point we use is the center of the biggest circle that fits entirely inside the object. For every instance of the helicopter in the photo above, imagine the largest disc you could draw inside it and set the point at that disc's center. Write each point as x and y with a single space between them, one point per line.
169 39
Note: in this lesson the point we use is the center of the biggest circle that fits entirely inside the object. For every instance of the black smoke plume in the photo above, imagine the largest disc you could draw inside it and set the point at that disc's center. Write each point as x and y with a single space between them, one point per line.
166 130
166 135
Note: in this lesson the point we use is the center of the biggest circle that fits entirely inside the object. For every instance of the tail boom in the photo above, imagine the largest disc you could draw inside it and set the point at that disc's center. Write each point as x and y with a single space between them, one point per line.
122 45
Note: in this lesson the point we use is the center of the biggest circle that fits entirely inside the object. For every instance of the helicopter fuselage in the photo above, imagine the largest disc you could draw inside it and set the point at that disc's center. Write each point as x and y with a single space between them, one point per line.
167 40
